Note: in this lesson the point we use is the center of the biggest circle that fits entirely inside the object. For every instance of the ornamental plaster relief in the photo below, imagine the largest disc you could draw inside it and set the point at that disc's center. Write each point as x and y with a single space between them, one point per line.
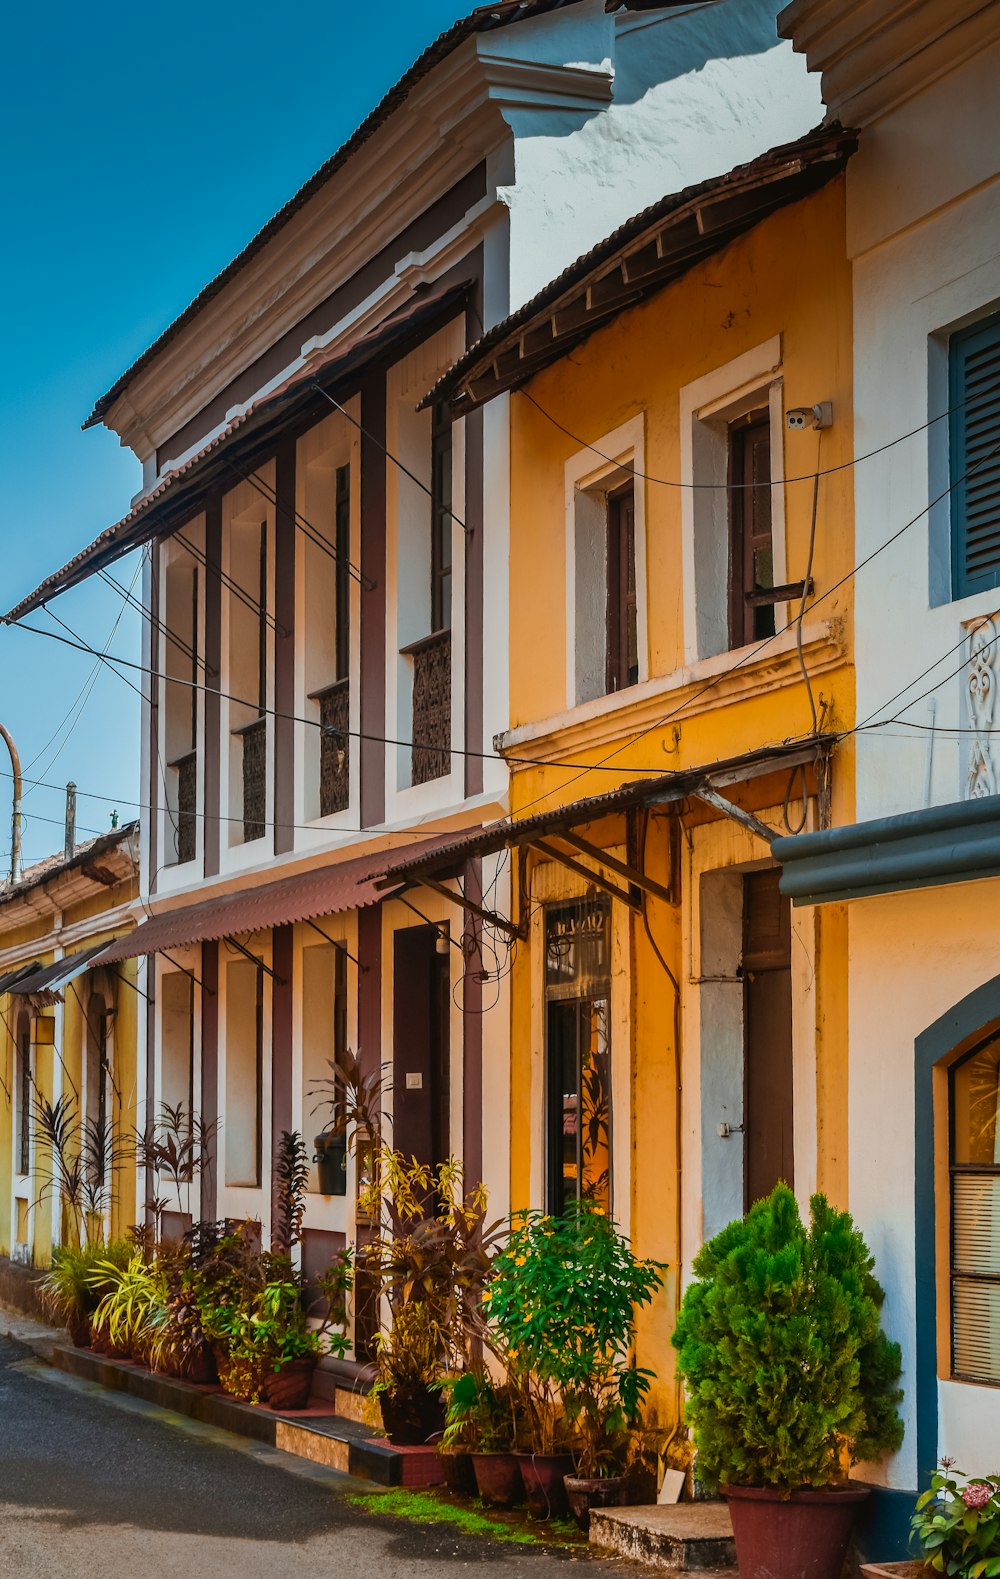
983 773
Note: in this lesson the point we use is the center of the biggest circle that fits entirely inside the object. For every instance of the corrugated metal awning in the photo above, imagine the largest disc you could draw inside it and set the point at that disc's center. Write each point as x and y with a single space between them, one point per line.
321 891
662 790
7 982
178 494
49 978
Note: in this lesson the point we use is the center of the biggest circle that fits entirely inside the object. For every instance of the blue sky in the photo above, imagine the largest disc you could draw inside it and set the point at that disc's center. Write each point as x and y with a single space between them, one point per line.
144 146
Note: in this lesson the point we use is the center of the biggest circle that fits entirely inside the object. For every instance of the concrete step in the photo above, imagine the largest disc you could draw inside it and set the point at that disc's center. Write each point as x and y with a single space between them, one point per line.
316 1433
692 1538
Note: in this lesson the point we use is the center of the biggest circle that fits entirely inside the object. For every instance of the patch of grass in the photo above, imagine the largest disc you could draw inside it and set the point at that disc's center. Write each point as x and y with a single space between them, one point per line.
424 1508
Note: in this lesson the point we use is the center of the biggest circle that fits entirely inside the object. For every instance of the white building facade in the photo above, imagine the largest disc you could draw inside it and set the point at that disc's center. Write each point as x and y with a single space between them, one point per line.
327 567
919 872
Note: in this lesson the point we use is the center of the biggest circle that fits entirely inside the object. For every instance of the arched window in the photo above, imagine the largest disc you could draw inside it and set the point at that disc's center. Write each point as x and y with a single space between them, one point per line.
975 1213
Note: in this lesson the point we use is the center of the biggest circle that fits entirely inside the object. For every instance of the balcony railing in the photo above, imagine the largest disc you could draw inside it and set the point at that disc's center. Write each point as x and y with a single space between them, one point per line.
431 706
254 737
186 825
334 751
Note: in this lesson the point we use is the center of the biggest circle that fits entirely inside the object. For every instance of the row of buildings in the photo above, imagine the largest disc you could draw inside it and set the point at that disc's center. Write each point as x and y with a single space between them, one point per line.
575 691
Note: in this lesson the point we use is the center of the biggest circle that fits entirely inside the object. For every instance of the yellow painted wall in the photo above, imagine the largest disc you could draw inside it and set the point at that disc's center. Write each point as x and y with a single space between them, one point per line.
788 277
67 1058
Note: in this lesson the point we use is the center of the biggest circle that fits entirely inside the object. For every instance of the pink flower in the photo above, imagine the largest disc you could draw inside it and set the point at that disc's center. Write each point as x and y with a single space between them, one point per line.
977 1494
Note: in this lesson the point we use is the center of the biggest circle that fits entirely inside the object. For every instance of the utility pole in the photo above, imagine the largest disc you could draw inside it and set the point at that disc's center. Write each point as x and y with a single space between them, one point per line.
15 821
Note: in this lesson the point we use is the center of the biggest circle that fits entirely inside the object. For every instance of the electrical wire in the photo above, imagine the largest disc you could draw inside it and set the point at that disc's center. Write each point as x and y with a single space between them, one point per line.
755 652
735 487
302 524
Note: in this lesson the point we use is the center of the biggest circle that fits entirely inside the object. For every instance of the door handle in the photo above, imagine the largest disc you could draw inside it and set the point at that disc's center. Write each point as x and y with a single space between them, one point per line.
725 1130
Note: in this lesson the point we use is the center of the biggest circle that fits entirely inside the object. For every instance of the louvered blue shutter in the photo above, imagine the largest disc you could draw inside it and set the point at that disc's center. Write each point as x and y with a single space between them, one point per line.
974 366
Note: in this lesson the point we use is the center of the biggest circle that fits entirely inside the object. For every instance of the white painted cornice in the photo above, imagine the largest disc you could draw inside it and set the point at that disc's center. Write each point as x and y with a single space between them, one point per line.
875 54
450 123
608 719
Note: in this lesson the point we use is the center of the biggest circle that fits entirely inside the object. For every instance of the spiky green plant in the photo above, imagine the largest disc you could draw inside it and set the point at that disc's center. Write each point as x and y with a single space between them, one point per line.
789 1375
291 1180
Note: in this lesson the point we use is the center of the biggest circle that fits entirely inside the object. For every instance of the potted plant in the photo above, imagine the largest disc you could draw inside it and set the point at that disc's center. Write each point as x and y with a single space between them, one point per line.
68 1289
957 1526
482 1413
128 1311
408 1372
562 1297
790 1380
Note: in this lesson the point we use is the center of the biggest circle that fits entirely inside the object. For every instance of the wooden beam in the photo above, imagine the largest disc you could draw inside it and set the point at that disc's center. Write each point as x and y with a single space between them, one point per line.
746 819
632 873
599 881
489 916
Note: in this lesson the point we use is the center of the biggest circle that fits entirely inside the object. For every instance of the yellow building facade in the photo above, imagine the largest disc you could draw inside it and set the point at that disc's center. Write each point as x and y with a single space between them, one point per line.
681 665
69 1032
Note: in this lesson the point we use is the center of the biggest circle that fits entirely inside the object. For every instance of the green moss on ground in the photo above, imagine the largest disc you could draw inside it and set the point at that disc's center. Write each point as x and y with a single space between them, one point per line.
426 1507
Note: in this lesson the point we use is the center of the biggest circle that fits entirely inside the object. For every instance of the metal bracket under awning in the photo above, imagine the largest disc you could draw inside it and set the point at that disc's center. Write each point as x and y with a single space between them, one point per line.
728 808
490 917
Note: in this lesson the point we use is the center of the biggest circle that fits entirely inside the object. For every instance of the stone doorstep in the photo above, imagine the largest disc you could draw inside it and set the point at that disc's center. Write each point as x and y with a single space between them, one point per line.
693 1538
314 1433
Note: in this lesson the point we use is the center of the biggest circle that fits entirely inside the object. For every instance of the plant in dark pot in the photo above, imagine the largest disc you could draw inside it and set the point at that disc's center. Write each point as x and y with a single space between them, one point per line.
70 1290
790 1380
408 1366
482 1413
562 1298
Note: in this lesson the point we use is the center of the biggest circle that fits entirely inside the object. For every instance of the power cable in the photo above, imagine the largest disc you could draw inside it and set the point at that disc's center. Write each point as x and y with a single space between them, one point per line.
302 524
718 487
755 652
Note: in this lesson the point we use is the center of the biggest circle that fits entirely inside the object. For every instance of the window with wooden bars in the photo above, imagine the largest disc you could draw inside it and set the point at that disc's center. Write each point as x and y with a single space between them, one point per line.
975 1214
622 666
751 550
974 434
441 470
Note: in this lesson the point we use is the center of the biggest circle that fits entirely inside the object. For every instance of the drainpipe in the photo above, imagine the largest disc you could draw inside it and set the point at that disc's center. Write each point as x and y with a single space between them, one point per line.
69 845
15 822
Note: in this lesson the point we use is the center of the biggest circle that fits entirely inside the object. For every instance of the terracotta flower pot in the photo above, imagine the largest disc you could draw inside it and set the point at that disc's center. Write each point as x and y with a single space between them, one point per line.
459 1474
290 1387
411 1418
498 1479
543 1475
598 1492
801 1536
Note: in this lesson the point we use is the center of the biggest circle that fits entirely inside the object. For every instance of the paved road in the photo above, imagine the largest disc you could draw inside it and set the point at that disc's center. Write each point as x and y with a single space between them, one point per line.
93 1486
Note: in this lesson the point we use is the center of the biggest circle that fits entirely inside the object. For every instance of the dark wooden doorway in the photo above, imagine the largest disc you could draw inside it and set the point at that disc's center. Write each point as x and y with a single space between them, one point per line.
767 1037
421 1045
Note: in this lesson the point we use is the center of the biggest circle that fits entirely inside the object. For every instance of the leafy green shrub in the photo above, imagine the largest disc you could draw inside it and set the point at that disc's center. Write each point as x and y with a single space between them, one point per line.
789 1375
957 1523
481 1413
72 1288
562 1300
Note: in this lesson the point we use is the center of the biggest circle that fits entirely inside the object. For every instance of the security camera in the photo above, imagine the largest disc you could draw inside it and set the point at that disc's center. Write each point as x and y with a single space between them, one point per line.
801 417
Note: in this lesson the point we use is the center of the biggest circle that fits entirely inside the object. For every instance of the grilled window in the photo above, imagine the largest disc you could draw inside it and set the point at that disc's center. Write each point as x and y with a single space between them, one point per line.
751 551
974 402
975 1214
578 1052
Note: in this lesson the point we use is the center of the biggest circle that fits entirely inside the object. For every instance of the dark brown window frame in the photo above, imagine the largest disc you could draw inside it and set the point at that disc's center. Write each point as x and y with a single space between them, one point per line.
442 450
622 644
751 604
342 572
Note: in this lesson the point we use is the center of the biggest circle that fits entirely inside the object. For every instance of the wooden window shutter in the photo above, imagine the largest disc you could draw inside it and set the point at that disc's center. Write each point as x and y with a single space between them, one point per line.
974 401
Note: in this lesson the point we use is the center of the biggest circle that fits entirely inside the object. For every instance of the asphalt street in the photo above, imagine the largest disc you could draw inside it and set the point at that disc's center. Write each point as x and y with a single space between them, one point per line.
95 1486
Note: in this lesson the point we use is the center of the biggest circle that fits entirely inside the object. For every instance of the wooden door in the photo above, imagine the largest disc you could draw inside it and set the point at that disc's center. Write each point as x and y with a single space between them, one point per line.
421 1046
768 1149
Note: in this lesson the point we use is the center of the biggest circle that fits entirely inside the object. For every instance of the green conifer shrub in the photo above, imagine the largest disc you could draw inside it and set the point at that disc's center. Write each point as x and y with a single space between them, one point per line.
789 1375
